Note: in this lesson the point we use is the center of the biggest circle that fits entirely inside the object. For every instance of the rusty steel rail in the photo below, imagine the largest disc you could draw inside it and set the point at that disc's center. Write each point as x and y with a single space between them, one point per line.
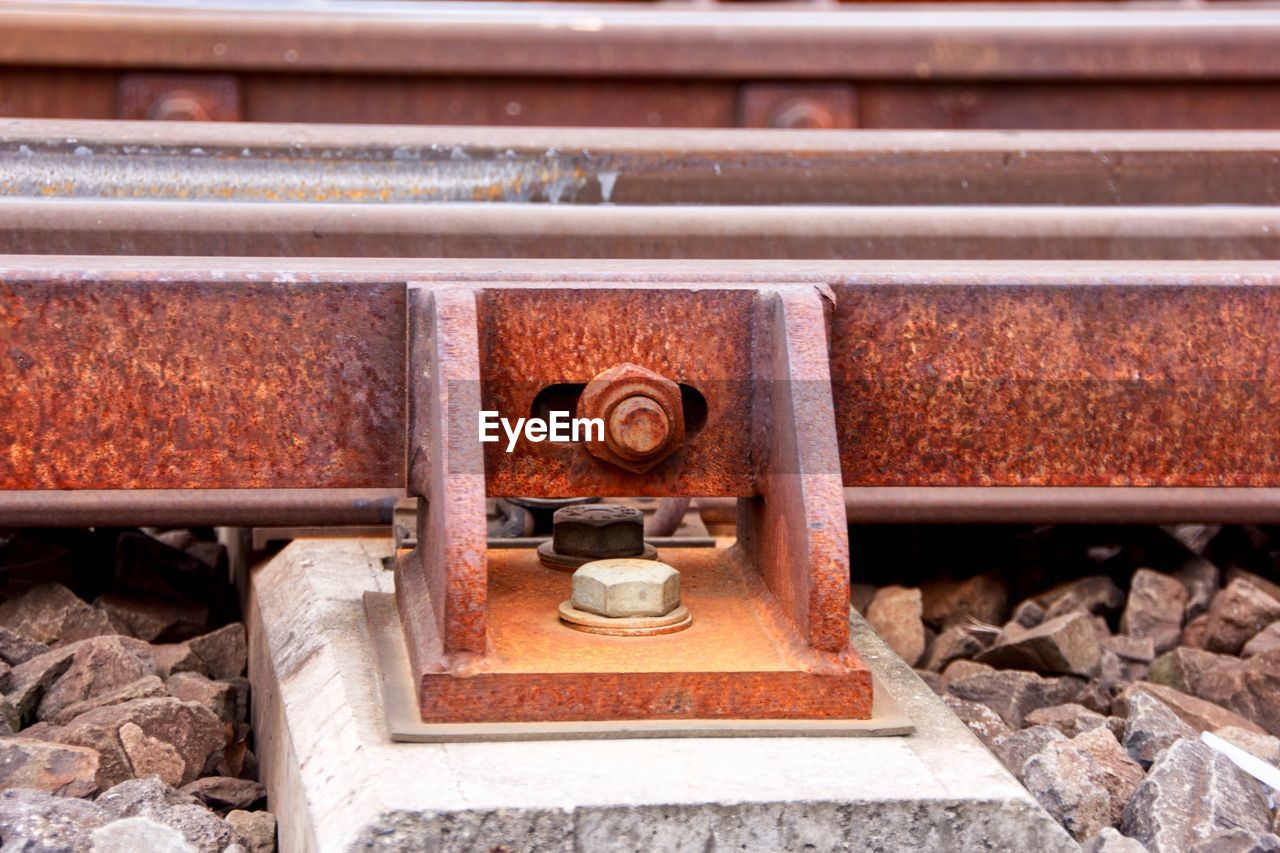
371 166
290 374
71 226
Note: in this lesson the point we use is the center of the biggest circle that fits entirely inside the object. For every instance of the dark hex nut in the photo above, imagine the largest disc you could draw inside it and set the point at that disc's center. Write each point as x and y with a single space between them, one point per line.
598 531
642 413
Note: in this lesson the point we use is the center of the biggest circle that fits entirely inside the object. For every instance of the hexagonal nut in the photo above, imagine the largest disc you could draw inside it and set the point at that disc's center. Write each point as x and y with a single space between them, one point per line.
626 587
598 530
642 413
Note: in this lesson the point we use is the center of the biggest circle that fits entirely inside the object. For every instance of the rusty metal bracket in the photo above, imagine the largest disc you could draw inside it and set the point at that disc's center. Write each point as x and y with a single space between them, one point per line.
770 637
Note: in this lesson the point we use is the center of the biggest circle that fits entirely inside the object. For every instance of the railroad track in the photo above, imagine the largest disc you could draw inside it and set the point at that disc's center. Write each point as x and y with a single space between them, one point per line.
942 375
801 64
93 188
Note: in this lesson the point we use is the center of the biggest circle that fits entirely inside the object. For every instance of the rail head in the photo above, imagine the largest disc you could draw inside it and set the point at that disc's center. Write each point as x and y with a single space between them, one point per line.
1085 41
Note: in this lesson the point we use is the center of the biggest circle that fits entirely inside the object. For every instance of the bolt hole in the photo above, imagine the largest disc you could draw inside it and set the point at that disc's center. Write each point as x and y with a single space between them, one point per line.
561 397
695 409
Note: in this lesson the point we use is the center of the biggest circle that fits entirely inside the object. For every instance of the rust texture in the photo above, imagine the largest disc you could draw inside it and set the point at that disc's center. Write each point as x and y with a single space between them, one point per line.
1144 384
440 586
741 657
534 337
794 529
142 381
992 373
759 359
642 414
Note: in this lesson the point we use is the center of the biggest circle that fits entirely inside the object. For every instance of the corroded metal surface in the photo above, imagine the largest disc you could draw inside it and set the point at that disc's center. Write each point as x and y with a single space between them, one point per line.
153 381
441 584
535 337
218 162
1078 374
1035 383
738 658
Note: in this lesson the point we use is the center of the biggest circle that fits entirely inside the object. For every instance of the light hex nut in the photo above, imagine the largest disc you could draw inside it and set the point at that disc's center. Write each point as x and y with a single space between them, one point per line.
626 587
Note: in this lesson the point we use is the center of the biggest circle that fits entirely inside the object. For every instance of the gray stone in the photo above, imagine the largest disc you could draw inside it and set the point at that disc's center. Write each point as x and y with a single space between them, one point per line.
896 613
1250 687
1015 748
1151 727
1237 613
218 696
69 771
1200 715
29 681
1062 645
223 794
962 668
151 798
980 719
99 665
258 829
338 783
950 602
52 614
1096 594
1266 747
1084 782
1239 841
1138 649
1192 794
1013 694
152 619
135 834
1200 578
177 741
1266 640
1195 634
219 655
39 822
1154 608
1111 841
1028 614
16 648
147 687
954 642
1071 719
1181 668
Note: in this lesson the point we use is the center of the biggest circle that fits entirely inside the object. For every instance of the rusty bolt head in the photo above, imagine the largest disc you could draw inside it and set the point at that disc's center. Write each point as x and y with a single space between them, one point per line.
626 588
179 105
642 414
803 114
598 531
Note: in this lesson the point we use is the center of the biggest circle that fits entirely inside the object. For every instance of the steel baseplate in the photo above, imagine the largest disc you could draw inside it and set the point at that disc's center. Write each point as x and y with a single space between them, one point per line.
400 707
770 633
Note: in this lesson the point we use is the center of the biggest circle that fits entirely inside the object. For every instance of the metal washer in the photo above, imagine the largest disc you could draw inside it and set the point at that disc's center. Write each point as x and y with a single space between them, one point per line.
553 559
625 626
